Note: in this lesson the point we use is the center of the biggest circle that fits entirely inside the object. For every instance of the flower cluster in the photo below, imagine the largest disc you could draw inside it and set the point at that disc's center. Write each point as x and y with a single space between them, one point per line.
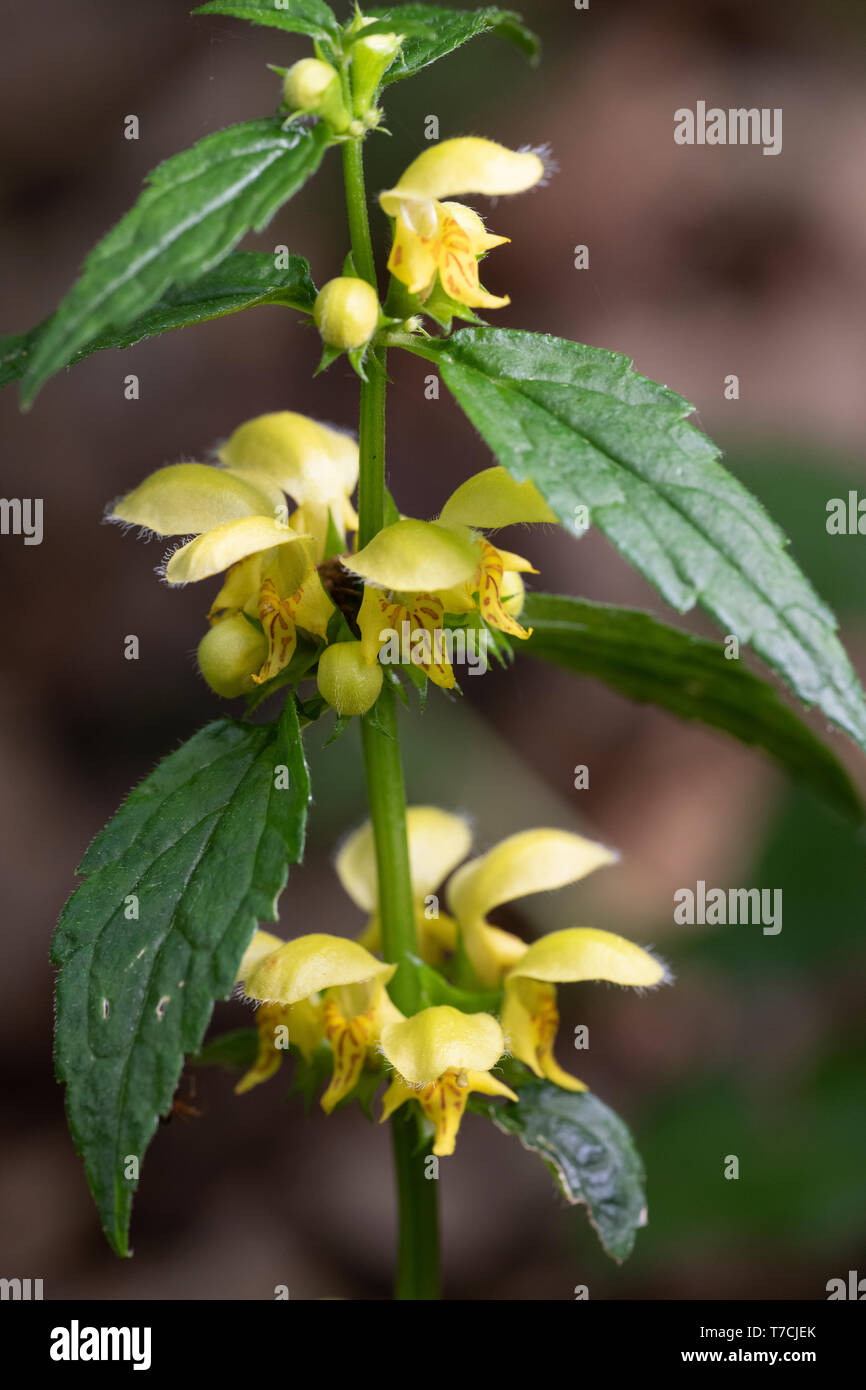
288 565
322 989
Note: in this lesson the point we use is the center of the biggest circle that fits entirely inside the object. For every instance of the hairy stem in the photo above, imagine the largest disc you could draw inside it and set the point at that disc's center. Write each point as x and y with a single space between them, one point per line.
418 1244
356 206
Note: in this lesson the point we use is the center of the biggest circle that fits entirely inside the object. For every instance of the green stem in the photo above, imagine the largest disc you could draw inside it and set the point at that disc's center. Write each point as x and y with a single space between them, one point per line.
371 486
387 800
418 1244
418 1214
356 206
371 483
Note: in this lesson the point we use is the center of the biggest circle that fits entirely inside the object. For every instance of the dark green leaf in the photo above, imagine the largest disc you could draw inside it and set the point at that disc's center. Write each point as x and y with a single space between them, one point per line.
590 1153
312 17
194 210
449 29
592 434
200 850
244 280
692 678
235 1051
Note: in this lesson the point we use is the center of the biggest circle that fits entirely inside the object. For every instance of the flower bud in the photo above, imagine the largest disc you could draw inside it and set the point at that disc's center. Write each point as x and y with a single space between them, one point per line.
371 59
514 593
229 654
314 87
346 681
346 312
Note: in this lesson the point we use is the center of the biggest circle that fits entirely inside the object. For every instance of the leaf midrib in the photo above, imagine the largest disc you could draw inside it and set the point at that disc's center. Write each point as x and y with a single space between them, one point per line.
157 956
512 384
154 250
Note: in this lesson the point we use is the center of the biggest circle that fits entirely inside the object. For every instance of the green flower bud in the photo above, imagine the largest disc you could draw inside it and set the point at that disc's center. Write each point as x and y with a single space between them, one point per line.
314 86
371 59
346 312
228 655
346 681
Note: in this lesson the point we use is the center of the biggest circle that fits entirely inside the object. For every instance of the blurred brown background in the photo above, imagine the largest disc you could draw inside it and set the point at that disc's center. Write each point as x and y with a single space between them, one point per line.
703 262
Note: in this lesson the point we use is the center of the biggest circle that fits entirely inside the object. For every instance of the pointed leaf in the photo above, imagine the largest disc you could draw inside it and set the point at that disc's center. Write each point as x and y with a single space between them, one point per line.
590 1153
593 435
648 661
194 210
244 280
173 888
448 29
312 17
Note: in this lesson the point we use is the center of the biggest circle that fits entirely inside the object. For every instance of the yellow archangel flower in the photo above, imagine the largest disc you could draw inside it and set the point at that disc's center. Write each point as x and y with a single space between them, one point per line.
530 1017
434 237
241 523
532 861
417 571
438 841
316 988
440 1055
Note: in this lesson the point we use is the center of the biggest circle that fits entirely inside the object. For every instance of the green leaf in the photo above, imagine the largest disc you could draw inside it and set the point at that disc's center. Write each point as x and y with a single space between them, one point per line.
589 1151
200 851
592 434
195 209
648 661
235 1051
312 17
244 280
449 29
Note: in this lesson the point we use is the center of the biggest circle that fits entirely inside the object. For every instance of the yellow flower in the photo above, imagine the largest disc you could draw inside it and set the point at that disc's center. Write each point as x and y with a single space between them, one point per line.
533 861
318 987
239 517
438 841
314 464
530 1017
435 237
417 571
440 1055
